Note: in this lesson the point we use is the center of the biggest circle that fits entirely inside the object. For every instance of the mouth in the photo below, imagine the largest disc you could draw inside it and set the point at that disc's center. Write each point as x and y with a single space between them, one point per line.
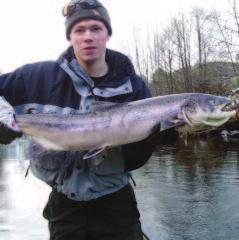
89 51
89 48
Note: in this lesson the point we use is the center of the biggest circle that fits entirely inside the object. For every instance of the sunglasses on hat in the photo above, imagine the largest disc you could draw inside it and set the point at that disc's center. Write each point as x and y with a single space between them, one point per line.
84 4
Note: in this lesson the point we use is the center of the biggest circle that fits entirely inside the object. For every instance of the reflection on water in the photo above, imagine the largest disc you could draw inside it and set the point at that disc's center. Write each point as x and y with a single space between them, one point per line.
188 190
21 199
192 190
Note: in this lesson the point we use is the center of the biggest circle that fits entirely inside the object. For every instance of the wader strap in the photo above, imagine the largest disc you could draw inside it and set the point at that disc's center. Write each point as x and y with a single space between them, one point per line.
132 179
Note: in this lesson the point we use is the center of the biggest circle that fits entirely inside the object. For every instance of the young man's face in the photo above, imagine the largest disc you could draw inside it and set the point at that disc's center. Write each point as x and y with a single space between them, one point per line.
89 38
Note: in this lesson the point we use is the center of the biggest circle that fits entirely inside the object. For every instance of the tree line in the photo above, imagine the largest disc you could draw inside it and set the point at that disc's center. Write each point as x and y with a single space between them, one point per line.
195 53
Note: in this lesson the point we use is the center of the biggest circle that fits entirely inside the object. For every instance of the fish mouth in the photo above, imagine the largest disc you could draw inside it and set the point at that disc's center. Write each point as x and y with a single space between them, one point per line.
228 107
220 115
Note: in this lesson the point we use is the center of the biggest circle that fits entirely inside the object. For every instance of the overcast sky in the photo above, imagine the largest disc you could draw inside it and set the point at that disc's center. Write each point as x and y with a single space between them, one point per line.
33 30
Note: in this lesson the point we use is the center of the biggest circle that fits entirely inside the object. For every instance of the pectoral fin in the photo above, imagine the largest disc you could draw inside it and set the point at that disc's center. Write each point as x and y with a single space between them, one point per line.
93 153
172 123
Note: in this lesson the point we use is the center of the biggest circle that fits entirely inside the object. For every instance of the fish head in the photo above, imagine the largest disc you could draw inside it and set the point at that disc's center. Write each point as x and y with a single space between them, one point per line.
204 111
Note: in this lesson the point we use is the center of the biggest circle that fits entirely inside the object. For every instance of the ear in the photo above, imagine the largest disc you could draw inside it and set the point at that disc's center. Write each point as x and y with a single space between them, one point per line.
108 38
69 39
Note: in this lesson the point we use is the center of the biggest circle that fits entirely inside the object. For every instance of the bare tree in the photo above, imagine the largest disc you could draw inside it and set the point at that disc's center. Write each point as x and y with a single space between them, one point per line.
236 15
226 40
163 56
183 44
193 53
204 47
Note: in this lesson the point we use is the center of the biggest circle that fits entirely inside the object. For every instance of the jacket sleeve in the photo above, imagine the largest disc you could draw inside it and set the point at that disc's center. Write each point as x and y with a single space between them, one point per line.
137 154
12 87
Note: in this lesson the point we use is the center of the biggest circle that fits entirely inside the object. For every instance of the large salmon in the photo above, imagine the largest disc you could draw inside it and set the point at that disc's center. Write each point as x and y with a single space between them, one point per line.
114 124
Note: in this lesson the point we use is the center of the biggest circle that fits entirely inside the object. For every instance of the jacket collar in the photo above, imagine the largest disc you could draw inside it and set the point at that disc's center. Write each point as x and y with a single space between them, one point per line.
121 68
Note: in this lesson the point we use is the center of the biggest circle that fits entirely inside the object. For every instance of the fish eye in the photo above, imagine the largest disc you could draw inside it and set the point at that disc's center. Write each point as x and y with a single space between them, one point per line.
212 102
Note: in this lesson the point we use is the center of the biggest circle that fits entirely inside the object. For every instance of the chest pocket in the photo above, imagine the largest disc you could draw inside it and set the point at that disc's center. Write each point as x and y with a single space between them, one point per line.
125 88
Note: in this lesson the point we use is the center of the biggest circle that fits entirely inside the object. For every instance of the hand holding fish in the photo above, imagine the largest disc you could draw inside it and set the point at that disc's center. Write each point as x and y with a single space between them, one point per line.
8 126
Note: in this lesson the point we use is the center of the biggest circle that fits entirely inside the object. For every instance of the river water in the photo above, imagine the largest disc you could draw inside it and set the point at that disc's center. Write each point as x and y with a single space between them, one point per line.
187 191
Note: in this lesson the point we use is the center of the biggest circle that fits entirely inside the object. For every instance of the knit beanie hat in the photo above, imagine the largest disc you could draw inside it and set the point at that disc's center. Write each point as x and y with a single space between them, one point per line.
78 10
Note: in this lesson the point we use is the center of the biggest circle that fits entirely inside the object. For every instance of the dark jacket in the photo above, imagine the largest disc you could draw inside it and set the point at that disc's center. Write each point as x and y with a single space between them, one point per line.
63 83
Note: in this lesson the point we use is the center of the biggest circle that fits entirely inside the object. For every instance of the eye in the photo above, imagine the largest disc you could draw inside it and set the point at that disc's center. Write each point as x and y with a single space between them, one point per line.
79 30
96 29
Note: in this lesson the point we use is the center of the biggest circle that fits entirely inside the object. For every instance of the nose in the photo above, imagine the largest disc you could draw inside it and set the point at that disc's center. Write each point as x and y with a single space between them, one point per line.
88 37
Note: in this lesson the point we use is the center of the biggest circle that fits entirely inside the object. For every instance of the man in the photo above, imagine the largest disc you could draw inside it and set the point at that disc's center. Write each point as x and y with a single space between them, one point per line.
87 201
